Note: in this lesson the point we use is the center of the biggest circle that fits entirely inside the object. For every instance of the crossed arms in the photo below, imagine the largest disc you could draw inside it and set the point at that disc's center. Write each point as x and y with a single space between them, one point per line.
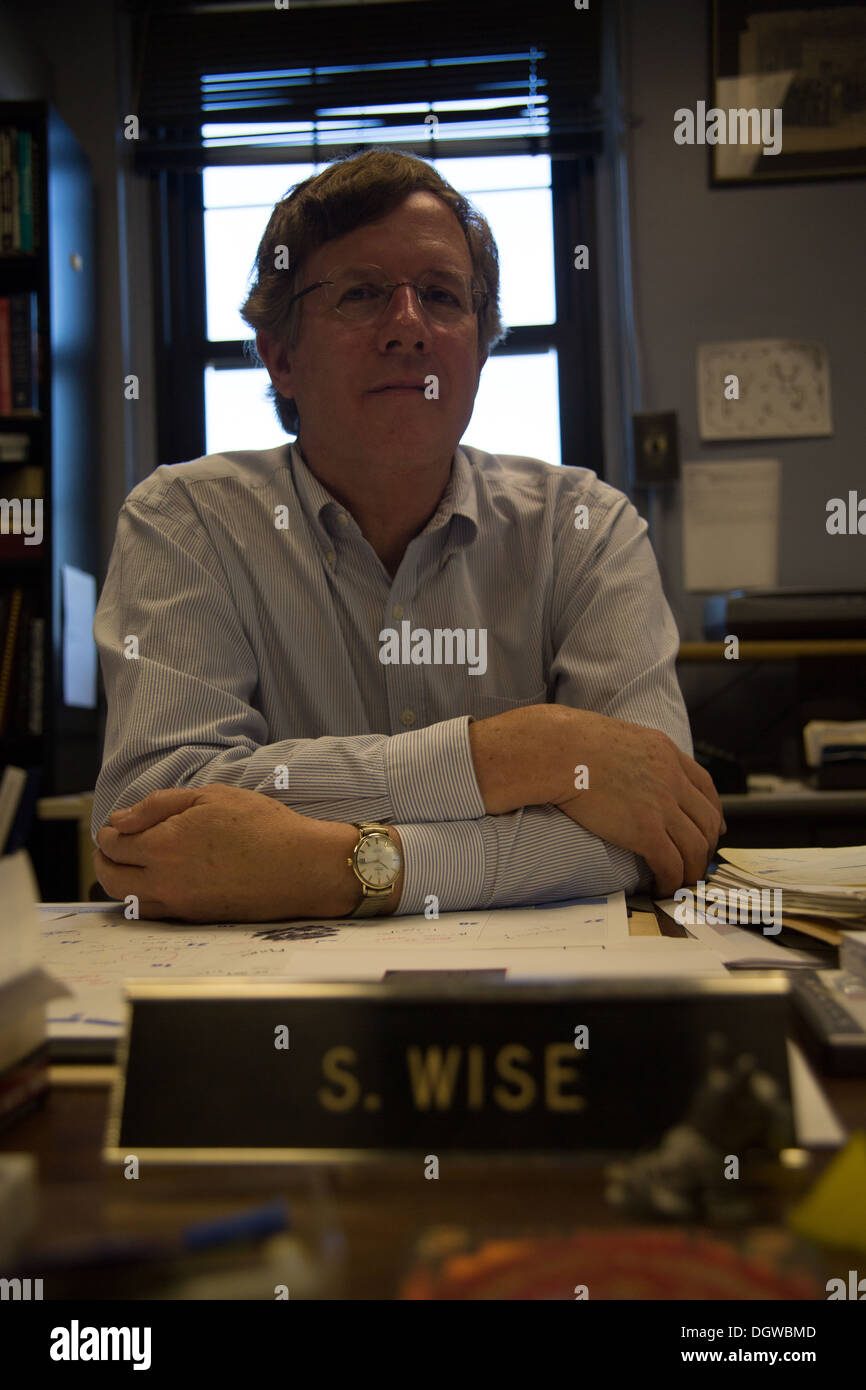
488 811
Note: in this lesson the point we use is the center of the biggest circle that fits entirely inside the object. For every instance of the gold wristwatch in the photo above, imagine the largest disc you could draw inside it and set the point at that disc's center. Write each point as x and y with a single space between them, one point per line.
376 861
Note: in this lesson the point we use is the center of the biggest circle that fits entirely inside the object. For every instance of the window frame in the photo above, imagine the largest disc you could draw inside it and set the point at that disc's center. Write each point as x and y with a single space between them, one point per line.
183 352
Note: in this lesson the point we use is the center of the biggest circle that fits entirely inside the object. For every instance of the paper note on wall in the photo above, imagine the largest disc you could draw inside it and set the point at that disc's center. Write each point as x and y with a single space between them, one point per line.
731 525
764 388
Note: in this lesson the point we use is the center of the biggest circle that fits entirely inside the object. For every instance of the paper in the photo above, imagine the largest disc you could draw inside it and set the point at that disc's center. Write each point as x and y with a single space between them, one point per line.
685 959
731 524
95 951
18 917
734 946
581 922
79 647
840 868
815 1122
52 912
767 388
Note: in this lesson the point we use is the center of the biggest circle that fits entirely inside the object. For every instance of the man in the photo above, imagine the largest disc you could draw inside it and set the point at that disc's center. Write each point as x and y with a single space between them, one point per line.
373 672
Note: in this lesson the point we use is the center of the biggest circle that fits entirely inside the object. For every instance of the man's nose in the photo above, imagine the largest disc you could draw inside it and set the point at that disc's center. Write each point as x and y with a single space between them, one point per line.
403 310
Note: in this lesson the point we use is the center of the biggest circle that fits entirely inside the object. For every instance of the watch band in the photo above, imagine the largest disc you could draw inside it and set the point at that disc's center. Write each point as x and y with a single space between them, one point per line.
371 898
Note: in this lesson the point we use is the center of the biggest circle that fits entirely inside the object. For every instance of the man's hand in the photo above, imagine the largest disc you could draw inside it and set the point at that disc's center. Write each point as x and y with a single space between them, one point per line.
646 796
642 793
220 853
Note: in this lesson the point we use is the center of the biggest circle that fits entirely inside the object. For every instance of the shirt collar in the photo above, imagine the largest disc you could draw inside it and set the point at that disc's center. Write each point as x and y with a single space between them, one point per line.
458 500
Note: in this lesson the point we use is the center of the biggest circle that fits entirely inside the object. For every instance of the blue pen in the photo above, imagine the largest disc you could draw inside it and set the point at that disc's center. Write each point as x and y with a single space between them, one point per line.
253 1224
245 1225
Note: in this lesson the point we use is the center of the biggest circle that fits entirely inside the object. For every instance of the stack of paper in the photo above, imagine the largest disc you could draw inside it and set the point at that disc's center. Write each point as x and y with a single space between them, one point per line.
824 884
818 892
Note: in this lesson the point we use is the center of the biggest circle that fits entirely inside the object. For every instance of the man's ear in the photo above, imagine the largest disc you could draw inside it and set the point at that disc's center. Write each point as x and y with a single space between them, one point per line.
276 358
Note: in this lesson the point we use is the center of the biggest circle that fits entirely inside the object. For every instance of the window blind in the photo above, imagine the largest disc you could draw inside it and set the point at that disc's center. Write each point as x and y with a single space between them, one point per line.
227 82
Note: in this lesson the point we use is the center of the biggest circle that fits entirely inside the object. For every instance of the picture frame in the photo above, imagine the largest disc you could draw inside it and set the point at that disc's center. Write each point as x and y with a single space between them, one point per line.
807 63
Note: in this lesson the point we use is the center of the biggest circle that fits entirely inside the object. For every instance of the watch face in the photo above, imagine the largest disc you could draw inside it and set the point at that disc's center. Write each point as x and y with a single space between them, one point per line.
378 860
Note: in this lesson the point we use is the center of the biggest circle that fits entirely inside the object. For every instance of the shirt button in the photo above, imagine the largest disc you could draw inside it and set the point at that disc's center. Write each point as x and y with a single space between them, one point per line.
343 519
397 611
407 717
330 558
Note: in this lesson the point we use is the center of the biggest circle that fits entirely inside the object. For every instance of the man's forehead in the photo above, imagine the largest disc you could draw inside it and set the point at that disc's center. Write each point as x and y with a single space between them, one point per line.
421 234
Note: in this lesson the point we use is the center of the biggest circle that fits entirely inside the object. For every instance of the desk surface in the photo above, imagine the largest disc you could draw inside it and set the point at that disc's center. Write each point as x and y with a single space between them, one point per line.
381 1209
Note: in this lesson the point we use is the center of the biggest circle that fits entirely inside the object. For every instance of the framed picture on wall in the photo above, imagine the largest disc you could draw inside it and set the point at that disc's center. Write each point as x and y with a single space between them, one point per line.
788 85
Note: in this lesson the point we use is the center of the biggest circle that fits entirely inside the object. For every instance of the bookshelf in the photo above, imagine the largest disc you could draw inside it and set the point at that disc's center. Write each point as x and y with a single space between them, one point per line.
49 717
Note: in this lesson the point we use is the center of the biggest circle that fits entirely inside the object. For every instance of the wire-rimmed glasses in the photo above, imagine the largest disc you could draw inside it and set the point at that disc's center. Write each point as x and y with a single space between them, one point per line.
361 293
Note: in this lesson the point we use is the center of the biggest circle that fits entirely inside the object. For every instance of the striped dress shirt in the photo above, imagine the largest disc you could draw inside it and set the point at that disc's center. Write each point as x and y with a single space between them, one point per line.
243 627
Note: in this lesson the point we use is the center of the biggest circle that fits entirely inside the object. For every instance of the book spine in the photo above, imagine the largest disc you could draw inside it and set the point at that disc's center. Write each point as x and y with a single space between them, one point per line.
28 481
36 192
18 713
16 189
19 831
9 653
14 448
24 1086
35 715
5 358
6 241
22 335
25 181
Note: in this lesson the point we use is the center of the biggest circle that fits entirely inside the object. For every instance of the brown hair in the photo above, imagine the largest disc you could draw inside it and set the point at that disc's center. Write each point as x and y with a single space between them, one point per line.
349 193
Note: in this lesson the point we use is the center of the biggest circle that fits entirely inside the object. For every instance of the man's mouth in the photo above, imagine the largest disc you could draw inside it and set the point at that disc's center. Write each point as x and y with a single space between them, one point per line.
396 386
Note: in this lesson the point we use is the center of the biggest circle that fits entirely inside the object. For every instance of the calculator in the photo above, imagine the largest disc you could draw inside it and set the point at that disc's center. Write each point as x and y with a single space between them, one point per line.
830 1008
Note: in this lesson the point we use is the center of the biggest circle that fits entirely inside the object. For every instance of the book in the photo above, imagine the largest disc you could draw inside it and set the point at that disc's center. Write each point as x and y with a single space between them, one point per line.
23 1086
25 815
14 448
7 653
24 351
11 787
23 482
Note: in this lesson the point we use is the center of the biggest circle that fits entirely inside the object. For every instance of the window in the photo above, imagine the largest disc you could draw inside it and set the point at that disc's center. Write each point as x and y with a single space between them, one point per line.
517 406
233 114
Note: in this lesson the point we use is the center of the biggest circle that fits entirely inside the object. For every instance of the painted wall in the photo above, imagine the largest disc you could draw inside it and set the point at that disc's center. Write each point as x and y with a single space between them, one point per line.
763 262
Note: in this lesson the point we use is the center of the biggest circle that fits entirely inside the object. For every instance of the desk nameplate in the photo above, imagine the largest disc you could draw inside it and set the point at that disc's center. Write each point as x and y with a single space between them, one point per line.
248 1071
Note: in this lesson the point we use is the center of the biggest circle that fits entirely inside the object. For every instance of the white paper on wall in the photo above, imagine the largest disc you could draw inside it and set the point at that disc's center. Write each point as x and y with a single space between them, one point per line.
731 525
766 388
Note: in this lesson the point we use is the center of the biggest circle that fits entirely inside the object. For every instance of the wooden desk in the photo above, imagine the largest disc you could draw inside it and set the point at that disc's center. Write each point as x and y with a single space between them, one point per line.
381 1209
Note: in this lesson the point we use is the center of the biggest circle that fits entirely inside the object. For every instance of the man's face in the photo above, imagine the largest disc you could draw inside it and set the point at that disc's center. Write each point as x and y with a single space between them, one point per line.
337 367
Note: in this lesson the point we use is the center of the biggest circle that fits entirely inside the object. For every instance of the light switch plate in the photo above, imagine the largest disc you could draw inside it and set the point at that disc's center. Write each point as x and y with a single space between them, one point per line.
656 448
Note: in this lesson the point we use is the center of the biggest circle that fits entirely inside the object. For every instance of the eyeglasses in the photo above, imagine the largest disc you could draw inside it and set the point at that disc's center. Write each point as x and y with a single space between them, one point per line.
362 293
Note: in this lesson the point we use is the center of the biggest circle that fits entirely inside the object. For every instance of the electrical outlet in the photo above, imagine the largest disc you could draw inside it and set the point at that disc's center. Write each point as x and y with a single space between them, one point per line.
656 448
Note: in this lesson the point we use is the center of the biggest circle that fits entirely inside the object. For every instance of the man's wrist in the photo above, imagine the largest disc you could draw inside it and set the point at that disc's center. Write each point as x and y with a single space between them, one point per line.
519 756
340 891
